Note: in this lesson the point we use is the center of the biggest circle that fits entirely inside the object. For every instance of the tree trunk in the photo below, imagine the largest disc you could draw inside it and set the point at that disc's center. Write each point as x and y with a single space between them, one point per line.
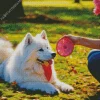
77 1
11 9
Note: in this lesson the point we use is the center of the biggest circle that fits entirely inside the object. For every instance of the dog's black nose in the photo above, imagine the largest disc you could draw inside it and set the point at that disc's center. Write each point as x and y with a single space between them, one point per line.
53 55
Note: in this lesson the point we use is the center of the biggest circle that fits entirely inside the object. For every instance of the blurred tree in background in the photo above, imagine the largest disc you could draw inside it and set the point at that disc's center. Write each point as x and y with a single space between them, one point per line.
77 1
13 7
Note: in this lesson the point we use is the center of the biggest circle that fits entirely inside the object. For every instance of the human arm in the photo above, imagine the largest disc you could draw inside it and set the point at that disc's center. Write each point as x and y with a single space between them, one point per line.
87 42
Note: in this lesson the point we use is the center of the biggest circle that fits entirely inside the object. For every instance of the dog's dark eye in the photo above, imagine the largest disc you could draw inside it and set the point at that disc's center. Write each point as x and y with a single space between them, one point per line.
41 49
47 47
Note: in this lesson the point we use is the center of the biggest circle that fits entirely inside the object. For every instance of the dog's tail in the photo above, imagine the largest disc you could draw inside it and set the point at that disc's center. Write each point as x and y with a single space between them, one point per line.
5 49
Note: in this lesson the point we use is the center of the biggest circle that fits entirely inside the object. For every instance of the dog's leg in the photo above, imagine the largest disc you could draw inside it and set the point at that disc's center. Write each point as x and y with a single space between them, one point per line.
1 70
44 87
63 87
2 65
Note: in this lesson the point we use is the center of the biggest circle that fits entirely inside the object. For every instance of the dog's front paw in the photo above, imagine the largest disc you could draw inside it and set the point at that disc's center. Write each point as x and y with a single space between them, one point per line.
51 90
66 88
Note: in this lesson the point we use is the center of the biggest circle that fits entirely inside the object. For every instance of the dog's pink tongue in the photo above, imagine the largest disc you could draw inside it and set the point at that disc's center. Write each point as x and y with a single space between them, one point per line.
47 69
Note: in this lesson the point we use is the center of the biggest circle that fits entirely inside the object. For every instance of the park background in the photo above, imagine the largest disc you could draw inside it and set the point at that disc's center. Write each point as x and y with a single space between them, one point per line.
58 18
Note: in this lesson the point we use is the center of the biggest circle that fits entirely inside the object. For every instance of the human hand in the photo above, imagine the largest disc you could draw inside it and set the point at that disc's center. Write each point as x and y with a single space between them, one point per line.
74 39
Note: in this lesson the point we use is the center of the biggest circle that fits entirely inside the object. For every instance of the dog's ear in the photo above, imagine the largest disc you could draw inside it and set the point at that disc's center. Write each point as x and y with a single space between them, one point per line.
44 35
28 39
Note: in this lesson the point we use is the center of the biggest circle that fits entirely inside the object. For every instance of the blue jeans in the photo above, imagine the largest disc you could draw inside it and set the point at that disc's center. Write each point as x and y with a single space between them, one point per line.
94 63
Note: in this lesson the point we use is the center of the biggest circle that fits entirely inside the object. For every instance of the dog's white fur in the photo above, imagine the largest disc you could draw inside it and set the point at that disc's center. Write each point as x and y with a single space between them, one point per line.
22 66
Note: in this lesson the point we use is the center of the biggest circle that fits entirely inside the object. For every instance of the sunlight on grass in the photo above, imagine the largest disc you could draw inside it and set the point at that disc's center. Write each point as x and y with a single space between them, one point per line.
45 3
59 3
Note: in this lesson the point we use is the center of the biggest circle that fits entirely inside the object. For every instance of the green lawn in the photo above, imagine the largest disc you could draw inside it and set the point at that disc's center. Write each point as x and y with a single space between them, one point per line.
79 21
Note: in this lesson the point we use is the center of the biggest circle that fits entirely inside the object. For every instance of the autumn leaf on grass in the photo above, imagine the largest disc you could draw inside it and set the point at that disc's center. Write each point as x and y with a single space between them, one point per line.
14 83
93 84
3 98
73 70
98 90
33 98
84 90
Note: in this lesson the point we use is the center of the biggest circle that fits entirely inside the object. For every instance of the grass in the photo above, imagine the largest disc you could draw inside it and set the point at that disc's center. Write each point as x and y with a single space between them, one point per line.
80 21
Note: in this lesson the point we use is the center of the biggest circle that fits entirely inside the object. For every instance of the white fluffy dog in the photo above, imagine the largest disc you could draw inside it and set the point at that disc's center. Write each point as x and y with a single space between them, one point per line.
31 65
